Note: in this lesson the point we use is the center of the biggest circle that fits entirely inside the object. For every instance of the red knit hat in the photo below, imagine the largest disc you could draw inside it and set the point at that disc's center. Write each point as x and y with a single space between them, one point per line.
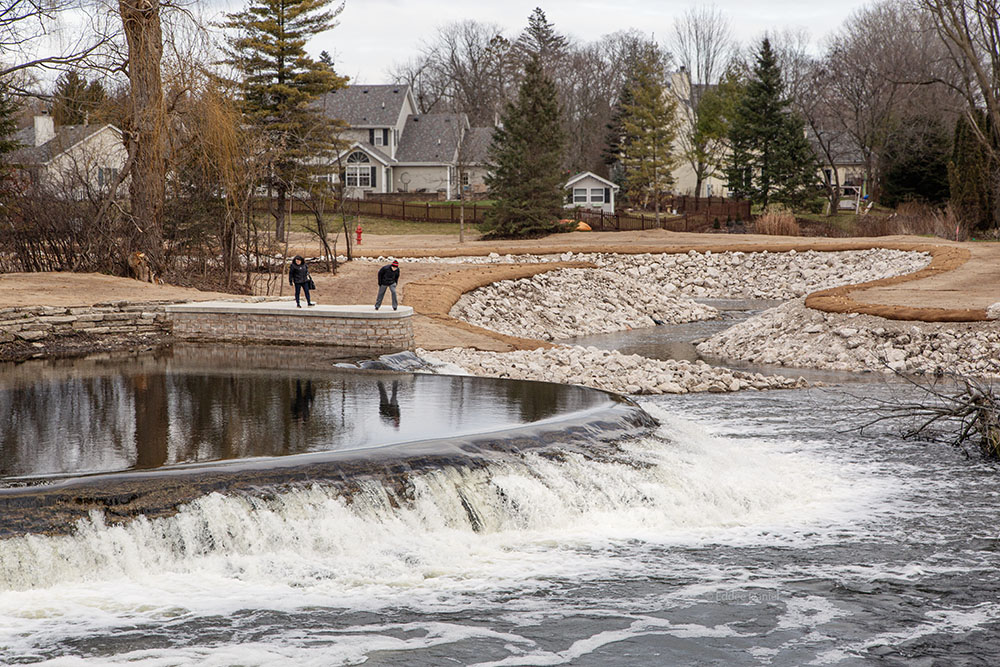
395 262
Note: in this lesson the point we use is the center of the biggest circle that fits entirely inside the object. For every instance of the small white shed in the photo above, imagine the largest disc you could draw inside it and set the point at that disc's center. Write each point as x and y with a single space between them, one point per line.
589 191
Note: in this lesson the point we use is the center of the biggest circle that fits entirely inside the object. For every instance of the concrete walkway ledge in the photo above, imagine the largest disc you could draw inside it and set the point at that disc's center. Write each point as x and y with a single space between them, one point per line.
356 326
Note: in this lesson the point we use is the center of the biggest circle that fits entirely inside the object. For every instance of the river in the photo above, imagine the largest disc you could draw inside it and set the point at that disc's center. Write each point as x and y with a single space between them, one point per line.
754 528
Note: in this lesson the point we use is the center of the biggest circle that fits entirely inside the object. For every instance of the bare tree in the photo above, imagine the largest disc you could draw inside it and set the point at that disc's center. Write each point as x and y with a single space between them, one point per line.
970 31
144 128
27 40
702 46
881 56
464 69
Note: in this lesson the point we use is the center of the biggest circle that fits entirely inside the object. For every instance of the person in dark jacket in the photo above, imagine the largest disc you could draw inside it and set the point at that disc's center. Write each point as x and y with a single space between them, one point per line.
298 276
388 276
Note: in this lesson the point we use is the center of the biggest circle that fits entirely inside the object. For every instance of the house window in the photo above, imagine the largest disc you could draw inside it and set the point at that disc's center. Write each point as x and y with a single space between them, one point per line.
359 173
378 138
465 178
106 176
579 195
596 195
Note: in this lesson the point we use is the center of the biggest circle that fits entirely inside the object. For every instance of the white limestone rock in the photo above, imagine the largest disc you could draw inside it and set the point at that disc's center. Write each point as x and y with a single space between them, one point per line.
796 336
574 302
607 369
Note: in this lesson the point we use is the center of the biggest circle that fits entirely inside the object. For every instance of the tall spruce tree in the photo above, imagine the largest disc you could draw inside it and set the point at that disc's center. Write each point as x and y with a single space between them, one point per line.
541 39
280 83
969 174
617 141
771 159
76 101
649 122
8 126
525 157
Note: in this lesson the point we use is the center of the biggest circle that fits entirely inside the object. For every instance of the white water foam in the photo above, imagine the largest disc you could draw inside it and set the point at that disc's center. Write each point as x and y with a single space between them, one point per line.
465 538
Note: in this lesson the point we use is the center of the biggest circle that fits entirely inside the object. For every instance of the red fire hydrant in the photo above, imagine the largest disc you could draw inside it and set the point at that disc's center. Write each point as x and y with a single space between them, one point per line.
358 231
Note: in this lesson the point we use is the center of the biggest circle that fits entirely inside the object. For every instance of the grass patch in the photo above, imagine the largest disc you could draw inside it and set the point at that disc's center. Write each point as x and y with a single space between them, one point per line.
305 222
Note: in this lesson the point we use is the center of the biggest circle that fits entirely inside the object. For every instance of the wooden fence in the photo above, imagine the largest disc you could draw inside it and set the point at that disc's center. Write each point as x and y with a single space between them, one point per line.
692 213
417 212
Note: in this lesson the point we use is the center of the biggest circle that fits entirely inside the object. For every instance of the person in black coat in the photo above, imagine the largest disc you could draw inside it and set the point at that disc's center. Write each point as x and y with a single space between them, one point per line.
388 276
298 276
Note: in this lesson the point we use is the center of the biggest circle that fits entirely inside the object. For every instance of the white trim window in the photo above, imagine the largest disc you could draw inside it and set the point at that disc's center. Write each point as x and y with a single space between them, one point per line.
596 195
359 173
378 137
106 176
579 195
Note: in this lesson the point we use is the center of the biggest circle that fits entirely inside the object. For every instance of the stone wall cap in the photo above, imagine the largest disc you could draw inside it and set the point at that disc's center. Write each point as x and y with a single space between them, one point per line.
288 309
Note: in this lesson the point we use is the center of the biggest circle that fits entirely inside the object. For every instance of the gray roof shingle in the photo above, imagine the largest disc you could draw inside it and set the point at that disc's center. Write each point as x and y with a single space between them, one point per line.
66 137
366 106
431 137
477 144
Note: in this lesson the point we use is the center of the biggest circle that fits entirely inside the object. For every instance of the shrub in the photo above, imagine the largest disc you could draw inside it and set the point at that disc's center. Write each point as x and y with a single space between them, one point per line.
777 220
912 218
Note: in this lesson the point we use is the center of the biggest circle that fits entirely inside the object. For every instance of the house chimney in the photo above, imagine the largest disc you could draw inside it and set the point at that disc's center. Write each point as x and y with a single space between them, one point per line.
45 129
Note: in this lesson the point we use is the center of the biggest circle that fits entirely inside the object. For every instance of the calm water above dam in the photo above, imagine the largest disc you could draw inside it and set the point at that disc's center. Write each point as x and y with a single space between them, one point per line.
146 414
748 529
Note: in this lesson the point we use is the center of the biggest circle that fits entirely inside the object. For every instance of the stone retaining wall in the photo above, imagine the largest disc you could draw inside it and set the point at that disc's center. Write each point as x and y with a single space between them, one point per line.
281 322
43 323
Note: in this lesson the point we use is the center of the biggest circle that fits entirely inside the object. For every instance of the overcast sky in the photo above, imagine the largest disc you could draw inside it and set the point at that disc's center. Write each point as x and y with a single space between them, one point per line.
372 35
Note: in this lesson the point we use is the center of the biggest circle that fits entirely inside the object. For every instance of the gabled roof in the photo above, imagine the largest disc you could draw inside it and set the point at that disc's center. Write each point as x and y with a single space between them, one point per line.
431 138
366 106
584 174
67 136
842 146
475 148
370 150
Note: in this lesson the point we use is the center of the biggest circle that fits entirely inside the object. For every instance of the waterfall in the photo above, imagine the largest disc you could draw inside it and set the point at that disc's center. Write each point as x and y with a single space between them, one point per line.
678 485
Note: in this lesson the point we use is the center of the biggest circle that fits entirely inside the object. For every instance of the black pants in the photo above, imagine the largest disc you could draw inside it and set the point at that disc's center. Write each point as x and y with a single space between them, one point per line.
305 288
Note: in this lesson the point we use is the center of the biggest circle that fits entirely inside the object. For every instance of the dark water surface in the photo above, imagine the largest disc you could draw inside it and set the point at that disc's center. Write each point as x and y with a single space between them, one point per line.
185 407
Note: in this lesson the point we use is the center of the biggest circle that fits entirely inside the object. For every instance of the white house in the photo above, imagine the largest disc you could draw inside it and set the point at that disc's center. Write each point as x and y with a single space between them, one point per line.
393 148
685 178
591 192
72 158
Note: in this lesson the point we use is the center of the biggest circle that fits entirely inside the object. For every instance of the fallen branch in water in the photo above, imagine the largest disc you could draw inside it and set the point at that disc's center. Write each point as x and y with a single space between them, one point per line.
960 410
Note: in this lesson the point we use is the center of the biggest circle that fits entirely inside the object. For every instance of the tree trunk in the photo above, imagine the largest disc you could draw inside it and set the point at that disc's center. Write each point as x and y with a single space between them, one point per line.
279 214
144 127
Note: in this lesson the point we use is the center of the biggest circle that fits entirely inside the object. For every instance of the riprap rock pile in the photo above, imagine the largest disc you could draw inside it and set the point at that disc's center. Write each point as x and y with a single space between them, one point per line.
736 275
574 302
793 335
762 275
608 370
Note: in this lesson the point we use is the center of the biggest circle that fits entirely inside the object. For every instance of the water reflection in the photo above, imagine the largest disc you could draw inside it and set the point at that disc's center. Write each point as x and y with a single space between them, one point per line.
303 399
388 408
163 414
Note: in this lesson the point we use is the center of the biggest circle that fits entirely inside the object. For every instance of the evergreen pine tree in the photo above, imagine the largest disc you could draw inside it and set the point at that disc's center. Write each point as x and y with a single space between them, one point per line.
914 167
8 126
617 142
280 83
8 123
771 159
76 100
649 121
969 174
541 39
525 156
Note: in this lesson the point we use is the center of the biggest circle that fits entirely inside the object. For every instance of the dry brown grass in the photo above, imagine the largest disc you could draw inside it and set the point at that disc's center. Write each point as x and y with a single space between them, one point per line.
913 218
777 220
